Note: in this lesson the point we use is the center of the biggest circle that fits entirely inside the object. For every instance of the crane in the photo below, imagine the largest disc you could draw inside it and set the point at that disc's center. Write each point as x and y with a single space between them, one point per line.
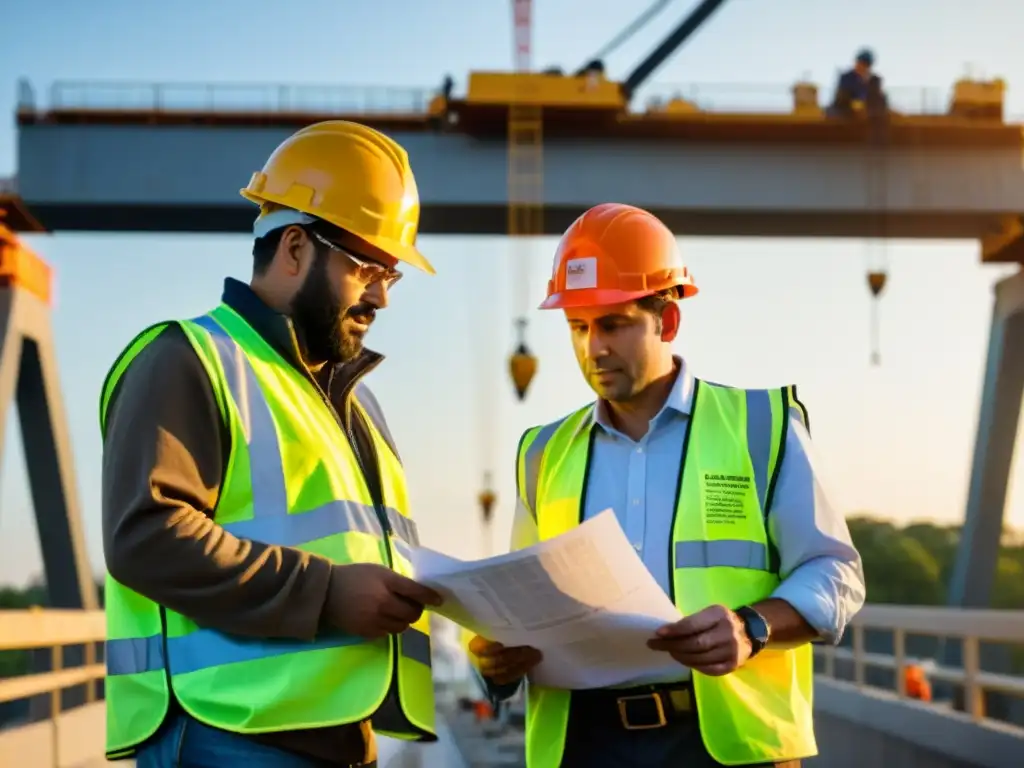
526 97
647 66
526 155
525 192
525 206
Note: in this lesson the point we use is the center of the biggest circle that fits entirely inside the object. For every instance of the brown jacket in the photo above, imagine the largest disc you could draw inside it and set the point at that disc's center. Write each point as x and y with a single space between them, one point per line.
164 453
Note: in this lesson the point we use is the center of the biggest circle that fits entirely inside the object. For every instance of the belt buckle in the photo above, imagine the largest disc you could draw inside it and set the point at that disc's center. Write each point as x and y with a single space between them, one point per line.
623 704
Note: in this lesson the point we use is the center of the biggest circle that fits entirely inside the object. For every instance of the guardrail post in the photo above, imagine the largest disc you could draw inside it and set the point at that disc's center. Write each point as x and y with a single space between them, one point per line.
858 655
830 660
899 648
90 659
974 696
26 96
56 663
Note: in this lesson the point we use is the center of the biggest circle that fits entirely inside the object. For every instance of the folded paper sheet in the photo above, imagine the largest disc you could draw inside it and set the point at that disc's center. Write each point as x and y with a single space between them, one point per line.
584 599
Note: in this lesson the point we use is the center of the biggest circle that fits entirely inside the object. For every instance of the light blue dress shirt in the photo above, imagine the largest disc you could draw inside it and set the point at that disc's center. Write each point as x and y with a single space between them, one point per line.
821 571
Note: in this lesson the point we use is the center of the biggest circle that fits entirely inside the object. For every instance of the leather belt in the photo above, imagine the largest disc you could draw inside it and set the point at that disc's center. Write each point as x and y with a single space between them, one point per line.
637 709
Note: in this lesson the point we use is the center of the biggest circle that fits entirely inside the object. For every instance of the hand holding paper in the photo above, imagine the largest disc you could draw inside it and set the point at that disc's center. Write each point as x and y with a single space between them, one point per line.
504 665
584 599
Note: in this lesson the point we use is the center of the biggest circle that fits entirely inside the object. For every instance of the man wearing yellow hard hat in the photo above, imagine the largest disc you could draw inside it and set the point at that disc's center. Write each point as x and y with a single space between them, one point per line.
255 514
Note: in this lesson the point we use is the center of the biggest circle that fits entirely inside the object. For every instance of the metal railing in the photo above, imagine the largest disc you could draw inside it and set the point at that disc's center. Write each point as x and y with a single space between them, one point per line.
971 628
60 629
227 98
777 99
264 98
55 631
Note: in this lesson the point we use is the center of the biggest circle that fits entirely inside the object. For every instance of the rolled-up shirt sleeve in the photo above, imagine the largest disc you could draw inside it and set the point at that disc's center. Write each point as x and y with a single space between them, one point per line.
821 570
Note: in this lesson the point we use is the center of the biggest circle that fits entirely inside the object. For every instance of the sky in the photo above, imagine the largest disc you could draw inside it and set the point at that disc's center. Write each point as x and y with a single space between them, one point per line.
896 439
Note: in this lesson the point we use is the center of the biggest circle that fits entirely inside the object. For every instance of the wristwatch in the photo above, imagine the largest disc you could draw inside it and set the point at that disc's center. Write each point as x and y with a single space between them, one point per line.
757 628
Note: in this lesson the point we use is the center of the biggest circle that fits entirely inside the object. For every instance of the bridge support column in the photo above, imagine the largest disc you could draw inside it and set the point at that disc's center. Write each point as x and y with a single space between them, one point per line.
975 568
28 377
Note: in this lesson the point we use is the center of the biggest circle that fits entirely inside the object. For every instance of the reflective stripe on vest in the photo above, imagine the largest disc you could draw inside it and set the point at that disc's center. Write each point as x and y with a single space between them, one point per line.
721 554
188 649
270 524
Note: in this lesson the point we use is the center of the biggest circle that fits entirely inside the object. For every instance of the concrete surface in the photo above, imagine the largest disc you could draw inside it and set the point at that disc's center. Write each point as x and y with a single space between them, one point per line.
186 178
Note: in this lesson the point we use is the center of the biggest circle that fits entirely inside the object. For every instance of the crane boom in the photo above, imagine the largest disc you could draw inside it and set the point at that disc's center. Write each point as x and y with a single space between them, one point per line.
653 10
657 57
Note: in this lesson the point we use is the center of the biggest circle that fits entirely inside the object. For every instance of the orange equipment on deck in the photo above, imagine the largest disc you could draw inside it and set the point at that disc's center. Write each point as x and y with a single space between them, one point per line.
21 267
916 683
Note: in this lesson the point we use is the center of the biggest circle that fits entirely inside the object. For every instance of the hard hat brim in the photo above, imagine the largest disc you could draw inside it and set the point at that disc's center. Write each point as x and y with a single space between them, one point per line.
409 254
602 297
591 297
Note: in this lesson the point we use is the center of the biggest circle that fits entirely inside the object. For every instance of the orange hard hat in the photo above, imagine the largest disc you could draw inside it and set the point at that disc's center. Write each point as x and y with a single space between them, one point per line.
616 253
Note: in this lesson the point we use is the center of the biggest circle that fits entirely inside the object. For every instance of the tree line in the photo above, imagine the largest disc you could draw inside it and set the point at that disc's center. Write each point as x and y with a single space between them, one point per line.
913 564
904 564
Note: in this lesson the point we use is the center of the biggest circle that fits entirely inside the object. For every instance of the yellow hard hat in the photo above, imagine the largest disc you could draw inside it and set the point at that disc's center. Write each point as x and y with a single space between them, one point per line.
351 176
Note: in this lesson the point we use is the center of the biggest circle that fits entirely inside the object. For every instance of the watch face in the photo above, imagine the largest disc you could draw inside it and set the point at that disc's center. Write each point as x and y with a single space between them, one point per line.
757 627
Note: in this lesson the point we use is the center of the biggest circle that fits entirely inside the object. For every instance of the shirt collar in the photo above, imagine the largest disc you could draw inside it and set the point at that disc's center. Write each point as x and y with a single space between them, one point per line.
278 331
679 400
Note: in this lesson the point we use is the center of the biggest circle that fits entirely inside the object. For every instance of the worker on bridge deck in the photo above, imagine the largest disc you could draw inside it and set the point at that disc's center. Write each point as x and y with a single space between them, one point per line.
255 513
859 88
719 492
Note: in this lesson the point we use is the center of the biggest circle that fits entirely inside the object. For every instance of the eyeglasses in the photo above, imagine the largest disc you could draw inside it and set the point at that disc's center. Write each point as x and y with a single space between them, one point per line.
367 270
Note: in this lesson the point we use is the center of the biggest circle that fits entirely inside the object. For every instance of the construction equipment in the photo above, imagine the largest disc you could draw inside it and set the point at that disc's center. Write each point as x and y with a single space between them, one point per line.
527 95
691 24
587 91
486 499
20 267
14 214
522 364
525 192
877 256
978 99
876 284
587 98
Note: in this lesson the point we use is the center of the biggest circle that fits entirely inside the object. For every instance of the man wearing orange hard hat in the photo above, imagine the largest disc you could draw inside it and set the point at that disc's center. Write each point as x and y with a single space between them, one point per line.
256 521
717 490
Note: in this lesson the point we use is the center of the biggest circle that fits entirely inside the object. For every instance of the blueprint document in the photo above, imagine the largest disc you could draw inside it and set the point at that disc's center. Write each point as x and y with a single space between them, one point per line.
584 599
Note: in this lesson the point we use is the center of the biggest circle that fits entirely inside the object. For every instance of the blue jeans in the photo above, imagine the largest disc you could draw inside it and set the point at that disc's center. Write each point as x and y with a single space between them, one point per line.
184 742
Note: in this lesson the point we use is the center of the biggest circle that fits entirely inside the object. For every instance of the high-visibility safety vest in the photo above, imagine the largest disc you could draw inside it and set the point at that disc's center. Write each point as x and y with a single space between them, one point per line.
292 479
721 554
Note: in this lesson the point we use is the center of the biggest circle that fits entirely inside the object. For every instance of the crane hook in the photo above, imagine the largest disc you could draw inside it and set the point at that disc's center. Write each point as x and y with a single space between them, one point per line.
876 284
486 498
522 363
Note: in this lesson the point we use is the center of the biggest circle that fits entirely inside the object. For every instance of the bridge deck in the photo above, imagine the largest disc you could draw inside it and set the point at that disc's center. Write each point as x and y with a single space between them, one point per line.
152 157
722 113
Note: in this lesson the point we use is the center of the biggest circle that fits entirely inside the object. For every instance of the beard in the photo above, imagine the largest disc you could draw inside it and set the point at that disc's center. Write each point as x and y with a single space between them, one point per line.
320 319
